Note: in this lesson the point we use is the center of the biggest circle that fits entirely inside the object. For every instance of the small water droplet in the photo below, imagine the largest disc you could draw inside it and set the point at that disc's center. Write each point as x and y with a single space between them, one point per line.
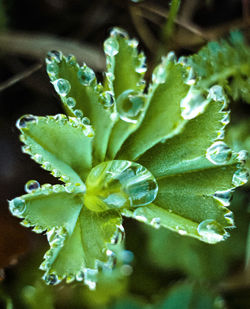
51 279
242 156
80 276
56 173
17 206
78 113
126 270
111 47
52 68
191 79
182 232
219 153
159 74
156 223
240 177
193 104
224 197
25 120
107 99
130 105
211 231
90 278
57 188
69 188
47 166
118 236
86 75
38 158
71 102
120 183
216 93
141 69
31 186
70 278
62 86
120 33
54 55
171 57
86 121
71 60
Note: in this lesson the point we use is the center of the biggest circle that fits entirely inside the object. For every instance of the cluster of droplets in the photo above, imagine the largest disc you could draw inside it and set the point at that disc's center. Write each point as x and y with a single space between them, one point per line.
118 184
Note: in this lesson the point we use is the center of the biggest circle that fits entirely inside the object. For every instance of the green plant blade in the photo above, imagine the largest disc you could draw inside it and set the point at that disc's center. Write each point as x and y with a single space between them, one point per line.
186 151
49 206
63 146
83 97
125 71
84 245
225 63
163 100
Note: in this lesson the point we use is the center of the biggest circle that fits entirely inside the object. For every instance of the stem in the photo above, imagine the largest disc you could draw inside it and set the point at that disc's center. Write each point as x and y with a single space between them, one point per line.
169 27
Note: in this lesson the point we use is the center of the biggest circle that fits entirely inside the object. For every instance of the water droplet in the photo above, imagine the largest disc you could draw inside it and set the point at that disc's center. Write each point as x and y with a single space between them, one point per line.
171 57
71 102
242 156
118 184
111 47
191 79
86 75
51 279
240 177
182 232
86 121
141 218
224 197
126 270
25 120
54 55
38 158
142 68
219 153
71 60
193 104
31 186
78 113
126 256
80 276
216 93
56 173
107 99
47 166
226 119
62 86
118 236
156 223
211 231
17 206
130 105
118 32
159 74
90 278
70 278
52 68
57 188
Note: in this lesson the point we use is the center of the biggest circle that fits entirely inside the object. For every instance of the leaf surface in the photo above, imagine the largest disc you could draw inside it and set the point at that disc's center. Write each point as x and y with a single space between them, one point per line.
62 146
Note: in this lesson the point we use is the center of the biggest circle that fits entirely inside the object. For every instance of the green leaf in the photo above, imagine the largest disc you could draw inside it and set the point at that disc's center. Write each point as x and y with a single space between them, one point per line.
59 144
124 77
226 63
187 150
78 237
82 97
163 107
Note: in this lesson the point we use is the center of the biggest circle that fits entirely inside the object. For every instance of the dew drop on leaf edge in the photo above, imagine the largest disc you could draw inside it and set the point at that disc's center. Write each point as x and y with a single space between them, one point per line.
211 231
219 153
31 186
24 120
62 86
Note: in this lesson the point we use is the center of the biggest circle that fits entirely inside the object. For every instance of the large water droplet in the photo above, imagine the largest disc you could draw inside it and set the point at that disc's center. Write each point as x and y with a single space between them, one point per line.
193 104
119 184
54 55
24 120
62 86
219 153
86 75
211 231
216 93
17 206
224 197
111 47
31 186
240 177
130 104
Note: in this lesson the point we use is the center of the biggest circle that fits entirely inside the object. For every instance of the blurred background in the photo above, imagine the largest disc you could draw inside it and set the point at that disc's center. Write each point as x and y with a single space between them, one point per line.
165 270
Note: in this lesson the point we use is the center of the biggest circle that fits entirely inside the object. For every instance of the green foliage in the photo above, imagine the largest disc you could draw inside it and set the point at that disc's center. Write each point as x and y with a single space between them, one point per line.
156 156
225 63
